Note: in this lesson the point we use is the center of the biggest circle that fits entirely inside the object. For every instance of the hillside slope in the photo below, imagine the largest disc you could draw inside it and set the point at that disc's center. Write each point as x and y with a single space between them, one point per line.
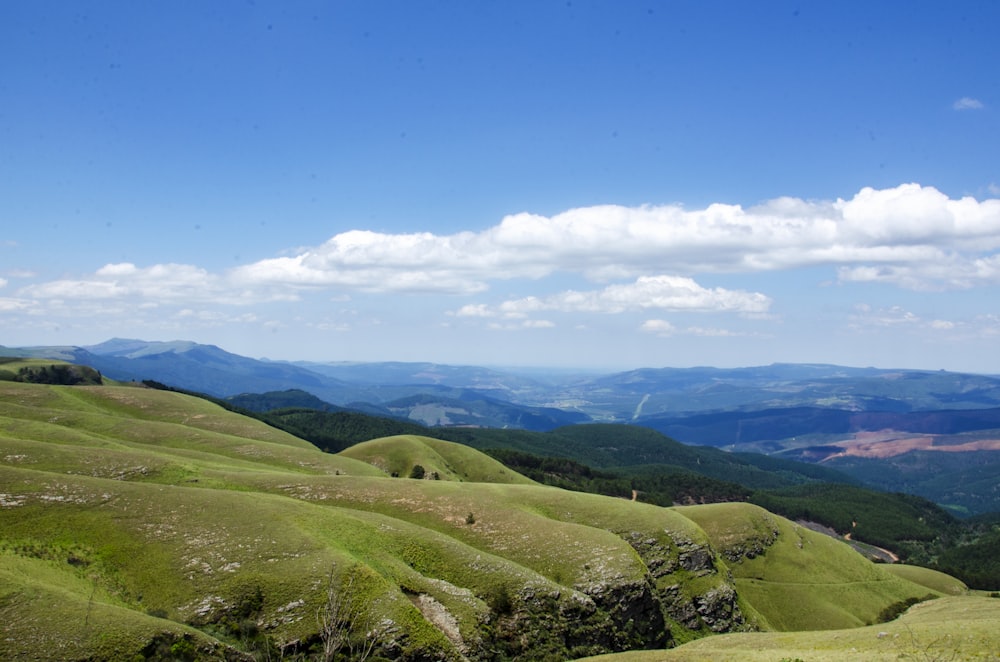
777 563
954 628
140 522
440 460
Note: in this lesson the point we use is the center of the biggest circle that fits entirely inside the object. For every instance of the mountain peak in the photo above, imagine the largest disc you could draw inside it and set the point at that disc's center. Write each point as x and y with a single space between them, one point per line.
134 348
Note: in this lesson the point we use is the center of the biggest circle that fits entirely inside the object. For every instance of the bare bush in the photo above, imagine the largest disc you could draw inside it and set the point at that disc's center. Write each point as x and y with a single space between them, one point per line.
345 625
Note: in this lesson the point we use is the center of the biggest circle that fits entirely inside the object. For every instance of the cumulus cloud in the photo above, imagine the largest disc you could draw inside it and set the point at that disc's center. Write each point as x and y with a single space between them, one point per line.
665 329
907 225
377 262
658 327
124 279
161 282
944 272
909 236
670 293
967 103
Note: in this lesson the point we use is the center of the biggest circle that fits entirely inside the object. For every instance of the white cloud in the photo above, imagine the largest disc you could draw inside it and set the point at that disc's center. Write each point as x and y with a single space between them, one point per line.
113 281
216 317
331 326
892 316
967 103
658 327
3 282
944 272
161 282
910 236
673 293
521 325
909 224
710 332
475 310
377 262
21 273
866 317
665 329
9 304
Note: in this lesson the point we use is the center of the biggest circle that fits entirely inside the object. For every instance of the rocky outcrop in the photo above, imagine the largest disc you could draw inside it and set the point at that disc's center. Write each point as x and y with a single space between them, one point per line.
672 560
753 544
610 617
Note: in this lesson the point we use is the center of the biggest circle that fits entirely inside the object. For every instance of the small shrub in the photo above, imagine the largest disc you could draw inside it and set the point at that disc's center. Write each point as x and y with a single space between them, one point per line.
76 561
417 472
183 650
470 519
896 609
498 600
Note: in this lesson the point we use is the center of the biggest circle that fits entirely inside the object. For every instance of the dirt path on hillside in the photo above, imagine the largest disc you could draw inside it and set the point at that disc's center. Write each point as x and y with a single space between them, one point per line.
863 548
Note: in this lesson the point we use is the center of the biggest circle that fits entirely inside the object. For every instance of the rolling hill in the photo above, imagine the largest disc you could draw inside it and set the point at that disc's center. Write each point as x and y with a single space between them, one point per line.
931 433
951 628
146 523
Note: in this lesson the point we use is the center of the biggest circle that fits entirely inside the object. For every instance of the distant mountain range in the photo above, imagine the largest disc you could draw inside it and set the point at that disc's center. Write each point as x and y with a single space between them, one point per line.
635 396
924 432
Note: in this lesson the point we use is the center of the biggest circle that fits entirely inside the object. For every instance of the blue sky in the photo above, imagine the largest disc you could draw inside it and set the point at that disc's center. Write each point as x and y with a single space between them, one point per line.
580 184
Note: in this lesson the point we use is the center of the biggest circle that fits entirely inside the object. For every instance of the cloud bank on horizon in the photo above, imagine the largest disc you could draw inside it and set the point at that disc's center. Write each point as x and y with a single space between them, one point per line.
644 260
910 236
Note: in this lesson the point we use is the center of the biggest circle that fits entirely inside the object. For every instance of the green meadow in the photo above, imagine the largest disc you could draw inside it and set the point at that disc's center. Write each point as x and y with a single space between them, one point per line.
147 524
951 628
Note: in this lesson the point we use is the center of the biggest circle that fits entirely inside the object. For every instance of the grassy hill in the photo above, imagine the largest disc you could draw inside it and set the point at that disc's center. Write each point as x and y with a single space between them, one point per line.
146 524
953 628
912 528
440 460
777 563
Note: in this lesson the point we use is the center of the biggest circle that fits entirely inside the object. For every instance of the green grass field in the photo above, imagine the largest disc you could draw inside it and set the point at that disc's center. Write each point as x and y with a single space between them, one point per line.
136 522
952 628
